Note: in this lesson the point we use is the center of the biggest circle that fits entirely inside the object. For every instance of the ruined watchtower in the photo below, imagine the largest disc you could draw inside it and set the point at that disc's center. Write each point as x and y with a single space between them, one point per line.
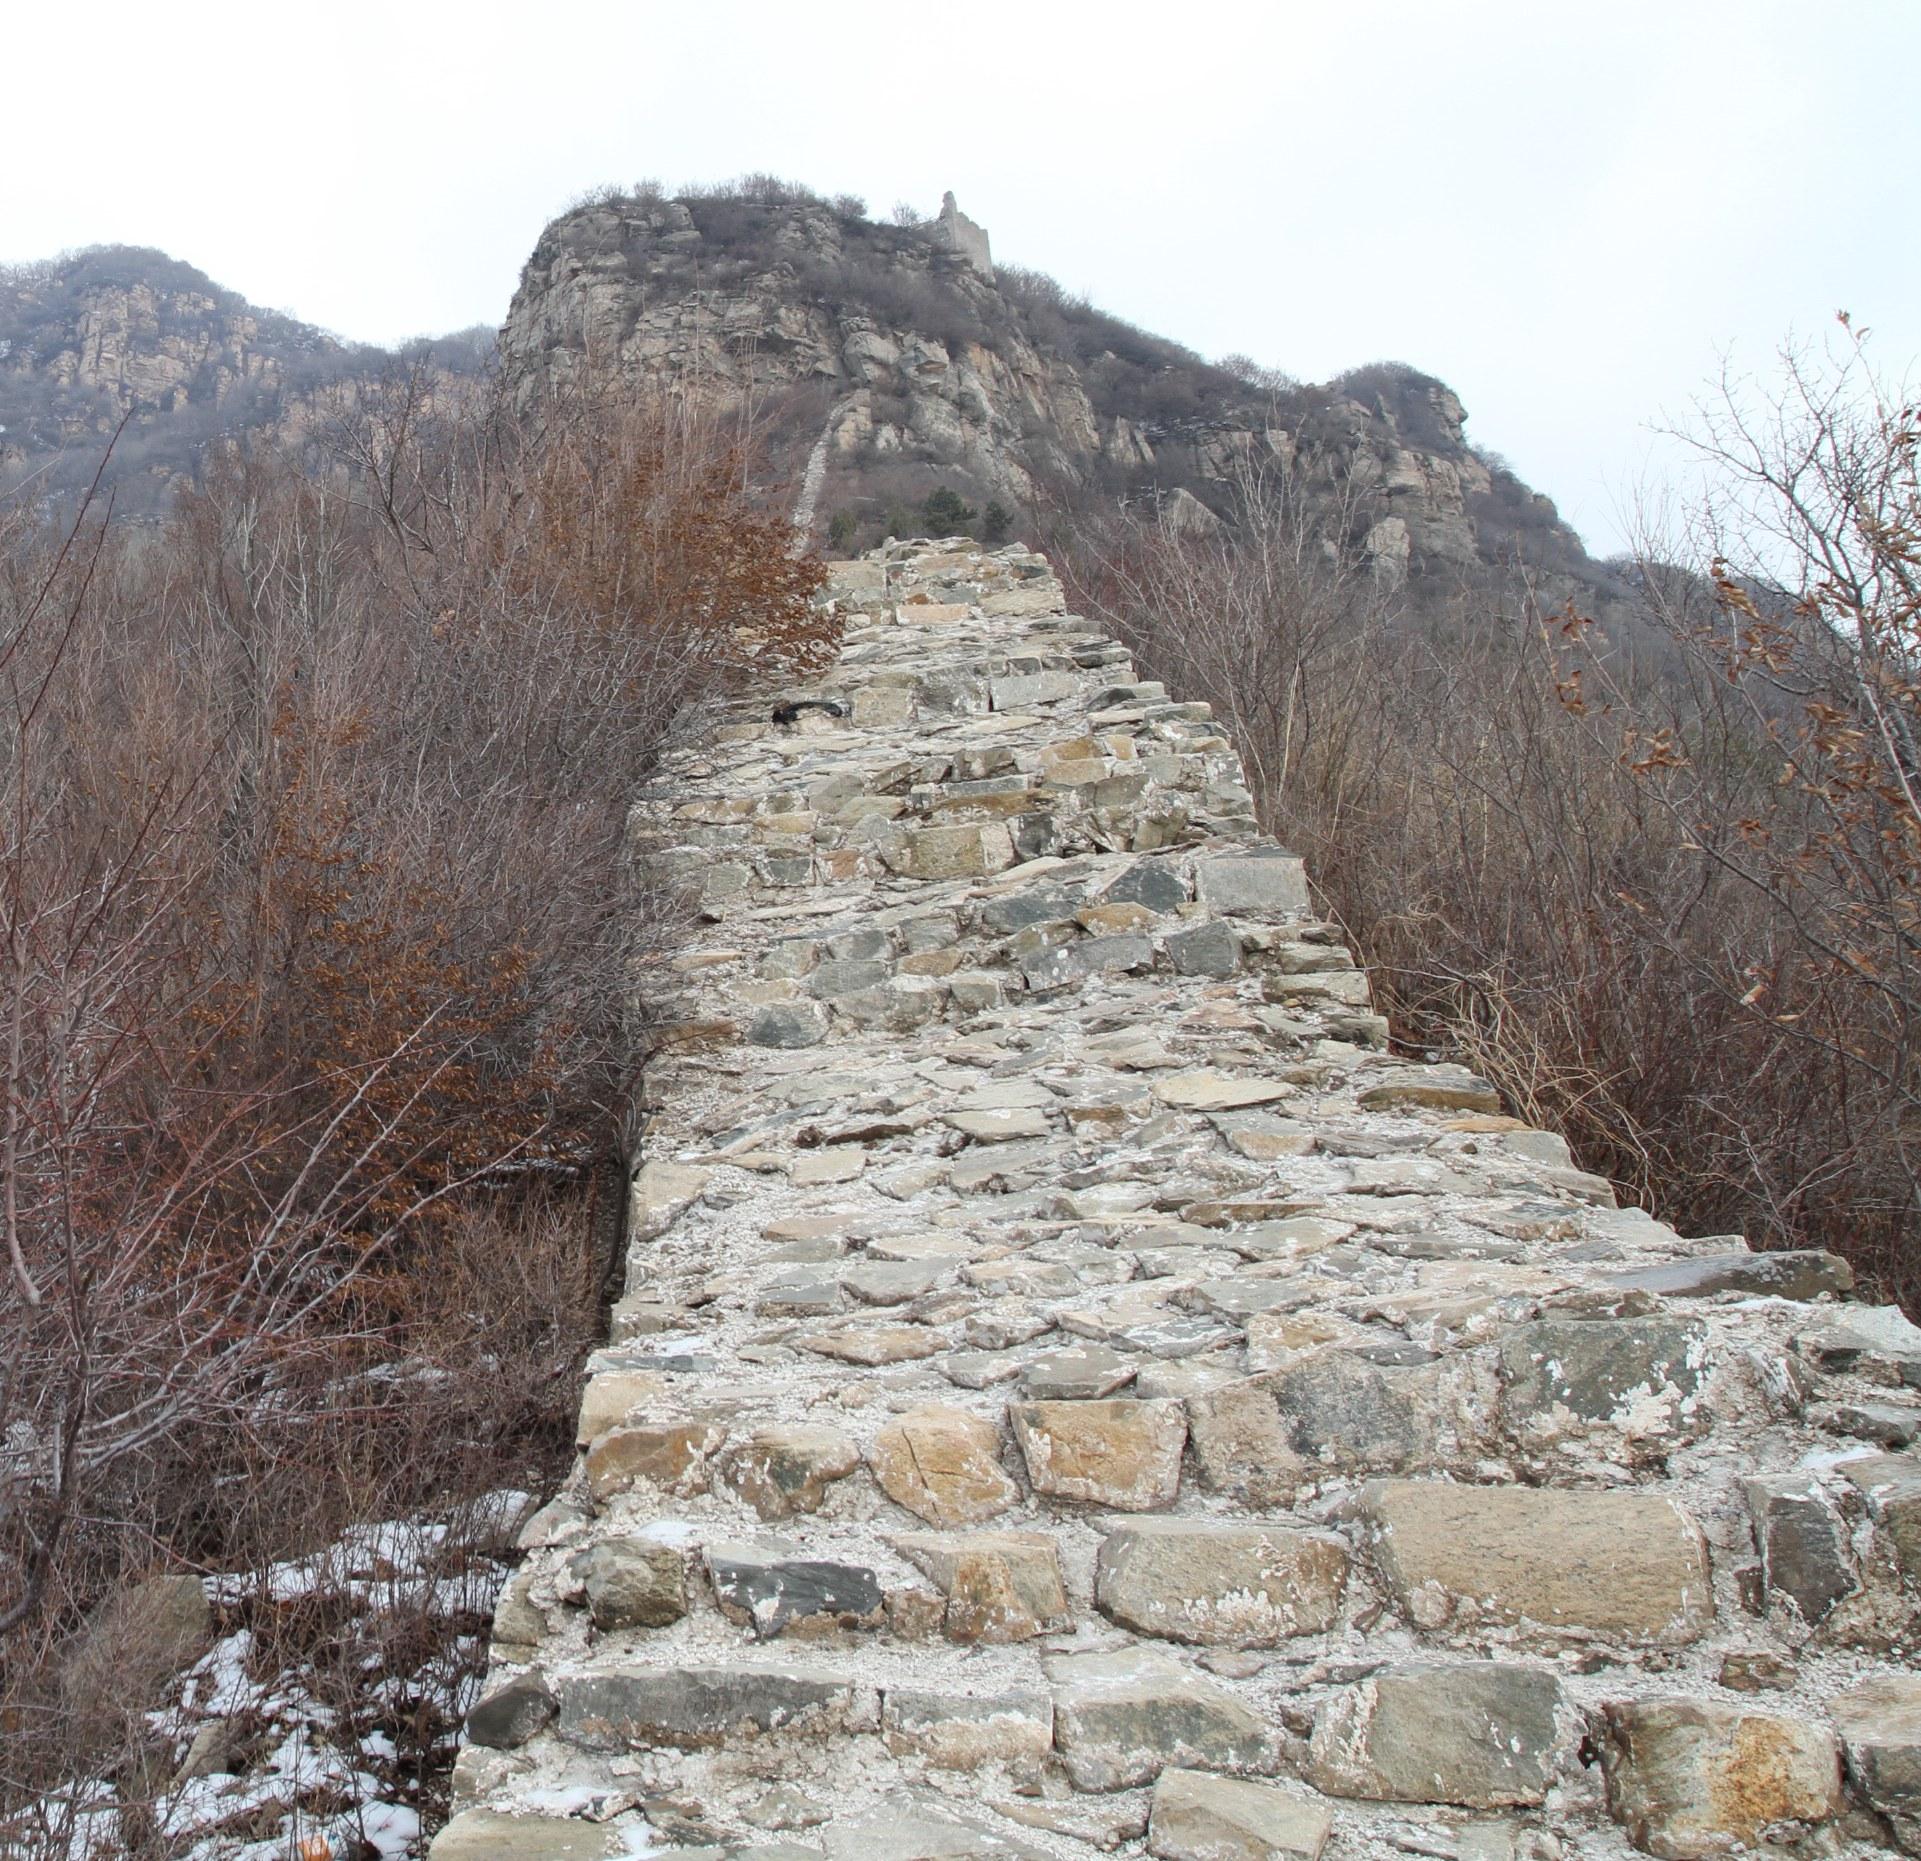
958 233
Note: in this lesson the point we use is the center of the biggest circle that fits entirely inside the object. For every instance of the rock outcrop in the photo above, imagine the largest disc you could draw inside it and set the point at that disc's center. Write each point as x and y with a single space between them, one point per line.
903 361
1076 1391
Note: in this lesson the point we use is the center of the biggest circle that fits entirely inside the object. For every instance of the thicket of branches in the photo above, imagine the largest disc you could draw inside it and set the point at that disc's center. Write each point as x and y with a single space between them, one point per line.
1666 896
320 947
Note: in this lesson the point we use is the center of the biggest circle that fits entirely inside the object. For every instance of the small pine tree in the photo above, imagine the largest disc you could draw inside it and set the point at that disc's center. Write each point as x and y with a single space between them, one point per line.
840 529
997 523
947 512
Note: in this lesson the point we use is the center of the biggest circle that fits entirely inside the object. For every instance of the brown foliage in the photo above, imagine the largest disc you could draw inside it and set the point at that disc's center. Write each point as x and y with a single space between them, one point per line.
319 955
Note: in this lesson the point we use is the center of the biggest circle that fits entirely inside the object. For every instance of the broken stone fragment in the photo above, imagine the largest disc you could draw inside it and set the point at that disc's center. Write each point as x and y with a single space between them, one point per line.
1216 1584
1121 1454
1626 1565
785 1470
943 1465
1197 1817
1483 1734
1000 1586
1121 1719
1692 1778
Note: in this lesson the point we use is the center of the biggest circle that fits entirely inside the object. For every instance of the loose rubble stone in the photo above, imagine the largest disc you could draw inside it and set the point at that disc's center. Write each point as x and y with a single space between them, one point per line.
1631 1565
1000 1586
1121 1454
1484 1734
1879 1721
1638 1376
512 1714
943 1466
1691 1778
1219 1584
634 1584
783 1471
1197 1817
1805 1555
1121 1719
486 1835
774 1589
962 1733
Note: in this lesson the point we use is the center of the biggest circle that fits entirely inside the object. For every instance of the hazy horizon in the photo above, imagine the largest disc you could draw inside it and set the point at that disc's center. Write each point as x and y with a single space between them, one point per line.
1571 220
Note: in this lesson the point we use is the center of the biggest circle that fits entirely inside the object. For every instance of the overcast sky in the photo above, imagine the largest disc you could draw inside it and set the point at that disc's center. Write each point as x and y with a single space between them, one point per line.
1568 213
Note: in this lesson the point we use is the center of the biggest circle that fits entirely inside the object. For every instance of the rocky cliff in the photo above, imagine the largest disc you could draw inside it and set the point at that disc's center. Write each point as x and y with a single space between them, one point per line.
1076 1393
908 361
123 338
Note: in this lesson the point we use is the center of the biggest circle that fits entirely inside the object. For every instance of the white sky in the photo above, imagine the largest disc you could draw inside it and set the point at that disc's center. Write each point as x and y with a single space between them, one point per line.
1567 213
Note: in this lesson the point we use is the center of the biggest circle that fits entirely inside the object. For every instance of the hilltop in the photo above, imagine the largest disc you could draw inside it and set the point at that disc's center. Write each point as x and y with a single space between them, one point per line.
114 334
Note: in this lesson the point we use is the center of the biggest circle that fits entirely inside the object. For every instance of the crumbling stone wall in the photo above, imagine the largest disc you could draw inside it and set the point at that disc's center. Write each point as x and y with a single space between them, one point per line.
1075 1392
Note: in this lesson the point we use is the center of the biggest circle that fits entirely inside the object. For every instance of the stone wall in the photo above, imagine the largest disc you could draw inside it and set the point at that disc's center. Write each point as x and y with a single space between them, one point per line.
1075 1392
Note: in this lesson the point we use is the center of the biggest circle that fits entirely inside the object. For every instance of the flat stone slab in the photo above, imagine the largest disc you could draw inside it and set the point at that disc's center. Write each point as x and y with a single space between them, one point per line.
1221 1584
1121 1454
1208 1091
486 1835
1626 1565
1121 1719
699 1707
1482 1734
1198 1817
1804 1274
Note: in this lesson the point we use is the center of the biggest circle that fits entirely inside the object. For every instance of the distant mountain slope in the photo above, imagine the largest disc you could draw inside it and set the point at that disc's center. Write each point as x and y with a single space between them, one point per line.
116 333
913 362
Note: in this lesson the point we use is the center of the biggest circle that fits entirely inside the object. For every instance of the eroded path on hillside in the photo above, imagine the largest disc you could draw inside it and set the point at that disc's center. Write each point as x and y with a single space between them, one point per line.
1075 1392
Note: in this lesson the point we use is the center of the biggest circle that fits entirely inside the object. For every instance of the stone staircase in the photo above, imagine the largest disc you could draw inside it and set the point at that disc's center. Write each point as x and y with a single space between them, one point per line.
1076 1393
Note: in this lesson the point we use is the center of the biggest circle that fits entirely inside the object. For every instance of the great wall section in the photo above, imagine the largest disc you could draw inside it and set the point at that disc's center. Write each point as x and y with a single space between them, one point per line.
1076 1393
